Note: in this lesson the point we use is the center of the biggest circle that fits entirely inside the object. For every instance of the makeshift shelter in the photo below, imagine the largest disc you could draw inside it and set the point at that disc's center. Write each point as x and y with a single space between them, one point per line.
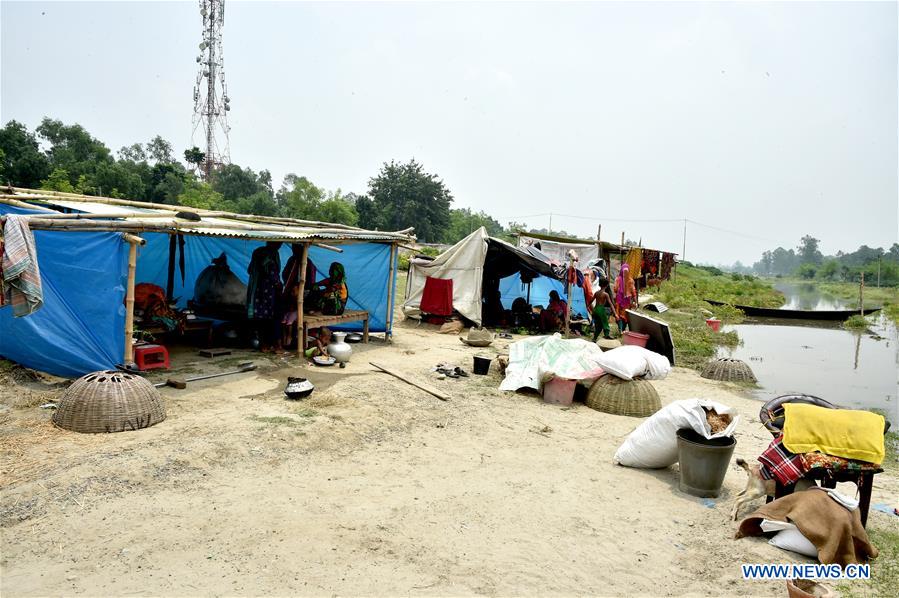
477 258
92 250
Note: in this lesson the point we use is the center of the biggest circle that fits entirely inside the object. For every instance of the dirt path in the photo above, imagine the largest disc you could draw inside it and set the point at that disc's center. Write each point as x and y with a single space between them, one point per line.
369 487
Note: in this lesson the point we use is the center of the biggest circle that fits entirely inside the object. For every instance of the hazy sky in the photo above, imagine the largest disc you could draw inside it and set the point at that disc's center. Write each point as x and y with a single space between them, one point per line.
769 119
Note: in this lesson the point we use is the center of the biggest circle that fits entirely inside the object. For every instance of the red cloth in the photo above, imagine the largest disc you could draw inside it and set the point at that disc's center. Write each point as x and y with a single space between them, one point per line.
778 462
437 297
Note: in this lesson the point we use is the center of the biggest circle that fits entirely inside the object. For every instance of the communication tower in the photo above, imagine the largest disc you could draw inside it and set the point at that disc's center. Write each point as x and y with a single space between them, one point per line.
211 101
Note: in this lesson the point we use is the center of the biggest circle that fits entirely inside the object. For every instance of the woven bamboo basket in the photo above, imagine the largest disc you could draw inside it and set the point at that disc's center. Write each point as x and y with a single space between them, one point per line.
109 401
728 370
635 398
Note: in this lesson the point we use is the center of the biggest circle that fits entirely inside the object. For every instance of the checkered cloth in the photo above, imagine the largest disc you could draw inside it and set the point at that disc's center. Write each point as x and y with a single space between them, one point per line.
21 276
778 462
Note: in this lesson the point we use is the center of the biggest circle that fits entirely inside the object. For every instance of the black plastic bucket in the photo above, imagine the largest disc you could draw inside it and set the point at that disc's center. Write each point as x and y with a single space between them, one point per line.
703 462
482 365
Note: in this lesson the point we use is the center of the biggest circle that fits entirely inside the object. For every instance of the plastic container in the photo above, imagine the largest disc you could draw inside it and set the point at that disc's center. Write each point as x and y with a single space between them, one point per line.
634 338
559 391
482 365
703 462
714 324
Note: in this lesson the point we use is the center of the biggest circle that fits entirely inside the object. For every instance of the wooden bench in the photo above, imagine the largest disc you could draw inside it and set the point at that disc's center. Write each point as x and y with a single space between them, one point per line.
317 320
196 325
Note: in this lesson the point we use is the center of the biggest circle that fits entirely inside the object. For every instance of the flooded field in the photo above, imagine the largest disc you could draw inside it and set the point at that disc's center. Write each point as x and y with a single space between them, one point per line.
853 369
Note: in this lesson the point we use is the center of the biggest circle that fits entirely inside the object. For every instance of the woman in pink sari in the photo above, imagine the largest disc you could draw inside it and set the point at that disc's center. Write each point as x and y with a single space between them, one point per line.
625 295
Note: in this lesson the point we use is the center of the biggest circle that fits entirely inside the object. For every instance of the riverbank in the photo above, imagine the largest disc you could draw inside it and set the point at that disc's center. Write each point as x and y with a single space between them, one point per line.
373 487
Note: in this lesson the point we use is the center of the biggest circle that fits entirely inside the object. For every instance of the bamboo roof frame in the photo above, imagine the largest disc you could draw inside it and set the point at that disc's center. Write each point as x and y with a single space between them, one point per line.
163 218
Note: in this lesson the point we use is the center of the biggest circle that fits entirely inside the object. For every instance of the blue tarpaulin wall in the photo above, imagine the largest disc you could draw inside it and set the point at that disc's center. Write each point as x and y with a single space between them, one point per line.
366 265
81 326
511 288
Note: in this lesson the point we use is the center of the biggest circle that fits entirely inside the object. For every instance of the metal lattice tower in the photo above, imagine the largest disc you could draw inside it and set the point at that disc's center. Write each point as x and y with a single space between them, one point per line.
211 101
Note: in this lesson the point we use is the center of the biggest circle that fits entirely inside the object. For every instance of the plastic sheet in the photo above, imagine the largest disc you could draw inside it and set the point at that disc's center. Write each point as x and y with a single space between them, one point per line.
81 326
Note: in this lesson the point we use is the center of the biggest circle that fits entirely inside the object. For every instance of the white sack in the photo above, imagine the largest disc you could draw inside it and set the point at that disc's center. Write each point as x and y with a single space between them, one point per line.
631 361
654 443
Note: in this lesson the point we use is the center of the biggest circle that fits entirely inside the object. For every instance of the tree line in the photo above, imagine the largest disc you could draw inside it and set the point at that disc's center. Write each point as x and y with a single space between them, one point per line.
62 157
807 261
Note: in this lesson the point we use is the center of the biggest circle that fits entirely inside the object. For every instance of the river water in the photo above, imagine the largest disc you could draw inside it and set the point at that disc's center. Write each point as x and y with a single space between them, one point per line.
858 370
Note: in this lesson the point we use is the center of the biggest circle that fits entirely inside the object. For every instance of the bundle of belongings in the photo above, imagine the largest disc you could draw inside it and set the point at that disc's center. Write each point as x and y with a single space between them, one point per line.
817 437
818 523
219 292
20 277
534 361
151 307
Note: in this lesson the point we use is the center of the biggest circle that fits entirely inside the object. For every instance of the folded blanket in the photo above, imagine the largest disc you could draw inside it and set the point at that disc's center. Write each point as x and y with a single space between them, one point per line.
21 276
835 531
841 432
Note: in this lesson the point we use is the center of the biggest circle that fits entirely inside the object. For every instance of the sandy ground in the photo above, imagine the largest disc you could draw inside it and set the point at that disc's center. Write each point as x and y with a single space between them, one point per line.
368 487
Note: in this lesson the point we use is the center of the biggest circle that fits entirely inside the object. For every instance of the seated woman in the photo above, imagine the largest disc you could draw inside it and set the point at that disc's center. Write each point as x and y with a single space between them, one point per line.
494 313
334 291
552 317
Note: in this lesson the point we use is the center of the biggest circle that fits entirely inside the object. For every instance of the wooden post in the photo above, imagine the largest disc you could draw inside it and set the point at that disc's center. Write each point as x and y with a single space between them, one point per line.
568 298
129 300
861 295
388 322
301 331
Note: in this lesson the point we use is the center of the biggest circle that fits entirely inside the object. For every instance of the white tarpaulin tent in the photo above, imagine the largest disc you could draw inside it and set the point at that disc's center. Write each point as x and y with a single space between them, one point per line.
468 263
464 264
559 251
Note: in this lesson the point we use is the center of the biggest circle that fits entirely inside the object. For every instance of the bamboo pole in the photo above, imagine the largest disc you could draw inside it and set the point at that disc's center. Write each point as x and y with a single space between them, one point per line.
129 304
568 298
861 295
40 193
388 322
301 336
190 227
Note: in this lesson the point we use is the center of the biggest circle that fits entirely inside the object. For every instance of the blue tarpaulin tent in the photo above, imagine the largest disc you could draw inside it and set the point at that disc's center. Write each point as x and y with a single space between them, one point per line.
81 326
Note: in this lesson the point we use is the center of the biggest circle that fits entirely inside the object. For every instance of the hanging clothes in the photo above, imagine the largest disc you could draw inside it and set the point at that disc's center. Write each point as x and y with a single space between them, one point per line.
21 275
650 263
634 261
667 265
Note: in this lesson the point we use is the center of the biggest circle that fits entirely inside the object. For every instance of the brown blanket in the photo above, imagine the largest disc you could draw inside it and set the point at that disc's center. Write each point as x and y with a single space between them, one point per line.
835 531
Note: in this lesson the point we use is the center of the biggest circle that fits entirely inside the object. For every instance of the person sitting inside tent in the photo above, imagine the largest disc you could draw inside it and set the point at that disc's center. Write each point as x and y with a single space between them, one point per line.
602 308
552 317
333 292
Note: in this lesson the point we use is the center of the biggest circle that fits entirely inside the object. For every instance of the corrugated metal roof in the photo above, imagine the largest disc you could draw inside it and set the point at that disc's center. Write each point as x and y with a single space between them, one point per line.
223 226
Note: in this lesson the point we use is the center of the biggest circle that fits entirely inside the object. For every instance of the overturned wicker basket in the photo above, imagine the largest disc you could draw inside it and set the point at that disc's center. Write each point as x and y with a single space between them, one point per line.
635 398
109 401
728 370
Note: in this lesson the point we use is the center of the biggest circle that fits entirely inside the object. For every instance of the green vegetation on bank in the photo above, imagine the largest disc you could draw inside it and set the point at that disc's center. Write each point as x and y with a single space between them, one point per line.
692 285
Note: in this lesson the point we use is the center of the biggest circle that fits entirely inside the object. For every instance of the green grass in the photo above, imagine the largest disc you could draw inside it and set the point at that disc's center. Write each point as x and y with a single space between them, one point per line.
694 285
306 412
884 569
887 297
694 342
856 322
276 420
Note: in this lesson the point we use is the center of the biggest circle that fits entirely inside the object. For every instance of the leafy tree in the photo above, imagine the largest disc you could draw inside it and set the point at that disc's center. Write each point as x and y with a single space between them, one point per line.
829 270
58 181
198 194
807 271
300 198
463 222
337 208
134 153
234 182
194 156
261 203
159 150
808 250
404 195
22 164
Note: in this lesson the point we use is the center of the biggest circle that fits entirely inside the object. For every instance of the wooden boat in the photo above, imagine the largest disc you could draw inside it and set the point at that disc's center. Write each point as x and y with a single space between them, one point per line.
833 315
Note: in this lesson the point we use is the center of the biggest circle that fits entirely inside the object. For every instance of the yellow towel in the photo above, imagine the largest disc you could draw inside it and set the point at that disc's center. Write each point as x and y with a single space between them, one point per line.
841 432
